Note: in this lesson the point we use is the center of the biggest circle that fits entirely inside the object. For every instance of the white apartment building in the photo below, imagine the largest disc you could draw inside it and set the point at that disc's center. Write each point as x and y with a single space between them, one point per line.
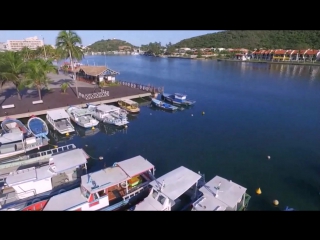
31 42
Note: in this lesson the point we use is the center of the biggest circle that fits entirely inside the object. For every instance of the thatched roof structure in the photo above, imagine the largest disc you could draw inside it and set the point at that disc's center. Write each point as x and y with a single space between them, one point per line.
96 70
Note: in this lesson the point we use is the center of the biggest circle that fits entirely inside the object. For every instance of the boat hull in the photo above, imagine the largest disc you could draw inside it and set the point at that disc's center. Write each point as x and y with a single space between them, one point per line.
69 130
171 99
38 127
9 125
163 105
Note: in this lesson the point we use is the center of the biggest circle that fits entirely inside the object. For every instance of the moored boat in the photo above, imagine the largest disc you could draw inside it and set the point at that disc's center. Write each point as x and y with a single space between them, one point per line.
60 121
28 186
220 194
108 114
178 99
129 105
12 144
163 105
107 189
38 127
82 117
12 125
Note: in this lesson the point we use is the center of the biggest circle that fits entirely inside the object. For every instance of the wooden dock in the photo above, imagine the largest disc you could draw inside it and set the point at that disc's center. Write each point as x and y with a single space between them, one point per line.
30 105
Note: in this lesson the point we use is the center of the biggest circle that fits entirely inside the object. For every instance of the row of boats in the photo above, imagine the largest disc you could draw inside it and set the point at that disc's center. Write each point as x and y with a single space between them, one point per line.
62 183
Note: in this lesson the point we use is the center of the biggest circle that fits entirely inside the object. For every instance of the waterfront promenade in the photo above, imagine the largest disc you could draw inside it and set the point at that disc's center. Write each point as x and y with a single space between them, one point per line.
54 98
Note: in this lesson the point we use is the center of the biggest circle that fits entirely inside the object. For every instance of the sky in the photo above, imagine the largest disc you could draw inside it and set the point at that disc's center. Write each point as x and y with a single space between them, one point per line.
137 38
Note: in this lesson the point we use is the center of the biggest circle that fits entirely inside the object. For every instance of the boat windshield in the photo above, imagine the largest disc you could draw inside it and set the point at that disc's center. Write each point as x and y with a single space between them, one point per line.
85 192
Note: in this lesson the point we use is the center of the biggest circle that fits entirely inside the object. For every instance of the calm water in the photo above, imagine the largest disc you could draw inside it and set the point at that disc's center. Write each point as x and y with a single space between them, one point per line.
251 111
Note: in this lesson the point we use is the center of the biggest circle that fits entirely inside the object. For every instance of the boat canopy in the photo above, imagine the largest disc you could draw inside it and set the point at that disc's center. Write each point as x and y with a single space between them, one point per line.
80 112
107 108
57 164
57 114
176 182
180 95
135 166
221 192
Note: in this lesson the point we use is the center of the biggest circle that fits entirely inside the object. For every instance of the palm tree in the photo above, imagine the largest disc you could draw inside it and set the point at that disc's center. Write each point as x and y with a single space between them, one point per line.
25 53
12 69
66 45
36 74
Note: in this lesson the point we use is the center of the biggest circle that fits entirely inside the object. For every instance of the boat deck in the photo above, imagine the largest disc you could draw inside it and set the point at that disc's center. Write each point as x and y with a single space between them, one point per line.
9 195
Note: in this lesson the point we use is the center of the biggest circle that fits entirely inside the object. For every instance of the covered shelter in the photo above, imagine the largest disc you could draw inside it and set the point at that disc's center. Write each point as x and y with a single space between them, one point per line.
95 73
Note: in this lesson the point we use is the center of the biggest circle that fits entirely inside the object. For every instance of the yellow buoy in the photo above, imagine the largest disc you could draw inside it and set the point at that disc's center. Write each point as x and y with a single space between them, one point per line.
67 134
258 191
92 128
276 202
203 113
55 146
125 126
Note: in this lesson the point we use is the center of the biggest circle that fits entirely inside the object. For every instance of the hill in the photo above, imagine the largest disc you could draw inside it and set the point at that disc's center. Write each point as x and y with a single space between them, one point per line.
110 45
250 39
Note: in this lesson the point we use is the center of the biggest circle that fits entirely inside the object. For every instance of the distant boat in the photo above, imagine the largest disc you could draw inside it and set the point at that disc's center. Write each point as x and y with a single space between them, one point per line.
177 98
12 125
109 114
60 121
163 105
38 127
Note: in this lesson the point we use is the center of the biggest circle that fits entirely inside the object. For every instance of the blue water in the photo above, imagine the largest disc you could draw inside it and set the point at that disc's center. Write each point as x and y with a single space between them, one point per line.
251 111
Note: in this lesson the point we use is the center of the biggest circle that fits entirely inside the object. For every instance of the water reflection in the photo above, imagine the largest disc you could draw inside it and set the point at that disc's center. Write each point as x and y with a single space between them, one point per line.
84 132
112 129
56 137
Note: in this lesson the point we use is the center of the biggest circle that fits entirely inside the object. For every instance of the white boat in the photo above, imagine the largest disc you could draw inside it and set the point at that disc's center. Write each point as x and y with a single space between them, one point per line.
82 117
220 194
107 189
173 191
31 185
109 114
12 144
60 121
12 125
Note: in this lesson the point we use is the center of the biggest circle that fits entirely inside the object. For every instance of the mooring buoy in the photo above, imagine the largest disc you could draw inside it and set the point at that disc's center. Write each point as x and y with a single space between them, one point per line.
258 191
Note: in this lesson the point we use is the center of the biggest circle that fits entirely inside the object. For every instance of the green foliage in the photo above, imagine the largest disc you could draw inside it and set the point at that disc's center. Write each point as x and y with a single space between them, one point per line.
109 45
12 69
64 87
251 39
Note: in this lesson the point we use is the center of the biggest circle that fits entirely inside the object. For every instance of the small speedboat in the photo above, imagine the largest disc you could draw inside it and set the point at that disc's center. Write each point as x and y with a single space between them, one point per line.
12 125
163 105
177 98
38 127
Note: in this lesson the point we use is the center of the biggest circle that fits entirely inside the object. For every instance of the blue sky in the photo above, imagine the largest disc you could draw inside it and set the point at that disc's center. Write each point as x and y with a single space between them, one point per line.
88 37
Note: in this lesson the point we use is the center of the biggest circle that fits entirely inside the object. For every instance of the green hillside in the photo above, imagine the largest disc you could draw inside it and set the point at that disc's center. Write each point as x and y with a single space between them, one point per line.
250 39
110 45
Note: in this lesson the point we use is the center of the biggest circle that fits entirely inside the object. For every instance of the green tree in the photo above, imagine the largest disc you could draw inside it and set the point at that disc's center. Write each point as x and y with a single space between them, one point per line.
12 69
25 53
199 55
66 44
64 87
36 74
170 49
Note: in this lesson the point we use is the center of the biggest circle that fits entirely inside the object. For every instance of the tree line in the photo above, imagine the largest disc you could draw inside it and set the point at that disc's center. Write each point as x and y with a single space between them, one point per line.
29 68
255 39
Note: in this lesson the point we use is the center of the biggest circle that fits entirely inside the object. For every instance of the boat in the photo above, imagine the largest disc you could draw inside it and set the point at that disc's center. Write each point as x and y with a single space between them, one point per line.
30 160
129 105
28 186
11 125
163 105
178 99
60 121
108 189
82 117
108 114
220 194
12 144
38 127
174 191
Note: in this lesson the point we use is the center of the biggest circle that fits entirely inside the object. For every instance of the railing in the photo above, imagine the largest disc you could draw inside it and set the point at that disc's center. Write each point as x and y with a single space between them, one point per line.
90 96
147 88
32 158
